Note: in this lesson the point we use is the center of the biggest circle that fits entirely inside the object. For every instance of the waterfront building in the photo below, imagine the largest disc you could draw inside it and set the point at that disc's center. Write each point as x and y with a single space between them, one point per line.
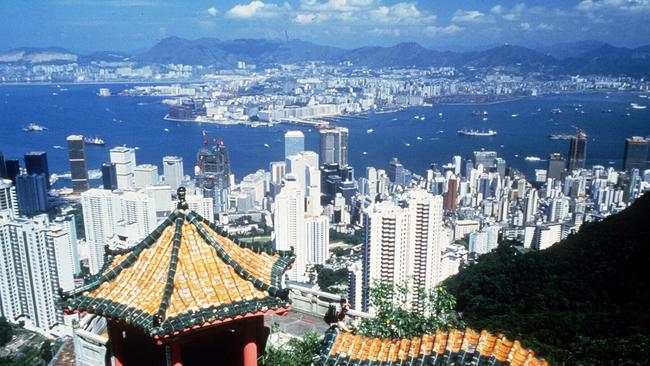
109 176
213 174
294 143
31 190
78 164
173 171
145 175
578 151
124 160
36 163
555 166
30 281
334 146
636 153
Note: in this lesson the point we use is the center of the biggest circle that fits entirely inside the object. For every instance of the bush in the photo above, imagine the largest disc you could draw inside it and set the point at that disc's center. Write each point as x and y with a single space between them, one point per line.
297 352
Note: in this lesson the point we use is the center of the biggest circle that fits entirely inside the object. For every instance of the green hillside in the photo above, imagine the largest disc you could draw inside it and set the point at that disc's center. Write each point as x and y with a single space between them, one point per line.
584 301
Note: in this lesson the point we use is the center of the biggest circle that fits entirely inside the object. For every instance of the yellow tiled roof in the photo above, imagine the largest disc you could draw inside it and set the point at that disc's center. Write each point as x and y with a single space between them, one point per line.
455 347
185 274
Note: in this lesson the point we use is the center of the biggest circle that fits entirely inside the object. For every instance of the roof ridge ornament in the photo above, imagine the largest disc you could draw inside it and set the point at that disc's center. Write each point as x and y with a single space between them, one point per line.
182 204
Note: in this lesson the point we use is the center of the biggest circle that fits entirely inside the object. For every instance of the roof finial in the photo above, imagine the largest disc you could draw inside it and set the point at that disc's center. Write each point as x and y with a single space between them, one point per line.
182 204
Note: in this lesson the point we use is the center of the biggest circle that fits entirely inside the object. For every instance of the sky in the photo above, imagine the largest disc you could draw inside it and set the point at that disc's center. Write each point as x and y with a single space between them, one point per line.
460 25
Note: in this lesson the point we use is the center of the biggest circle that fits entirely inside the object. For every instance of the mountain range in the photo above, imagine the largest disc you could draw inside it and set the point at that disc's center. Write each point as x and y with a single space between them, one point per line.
586 57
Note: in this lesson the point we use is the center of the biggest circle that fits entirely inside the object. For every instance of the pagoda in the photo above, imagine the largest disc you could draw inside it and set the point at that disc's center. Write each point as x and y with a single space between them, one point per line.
186 295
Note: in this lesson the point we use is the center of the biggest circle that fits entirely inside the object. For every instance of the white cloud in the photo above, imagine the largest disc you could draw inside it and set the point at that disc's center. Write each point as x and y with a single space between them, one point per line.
515 12
633 6
213 11
467 16
524 25
405 13
433 30
307 18
497 9
254 9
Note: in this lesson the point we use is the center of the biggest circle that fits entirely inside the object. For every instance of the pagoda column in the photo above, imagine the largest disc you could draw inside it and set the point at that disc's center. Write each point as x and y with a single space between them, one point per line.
176 354
117 342
250 341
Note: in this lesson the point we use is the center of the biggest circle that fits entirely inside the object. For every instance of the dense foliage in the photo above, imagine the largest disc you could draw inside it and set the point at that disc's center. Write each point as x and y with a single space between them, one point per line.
584 299
395 317
297 352
351 239
6 331
329 277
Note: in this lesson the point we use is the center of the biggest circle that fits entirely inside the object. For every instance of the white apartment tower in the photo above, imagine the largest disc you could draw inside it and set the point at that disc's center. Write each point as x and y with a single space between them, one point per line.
124 160
173 171
289 224
145 175
8 200
101 213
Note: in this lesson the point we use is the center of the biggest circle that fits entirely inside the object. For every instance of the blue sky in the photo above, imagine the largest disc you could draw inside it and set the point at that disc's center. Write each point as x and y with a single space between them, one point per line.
122 25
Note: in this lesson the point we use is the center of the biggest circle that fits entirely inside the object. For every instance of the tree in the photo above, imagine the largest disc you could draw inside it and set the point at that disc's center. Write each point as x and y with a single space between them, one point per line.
46 352
398 316
6 331
297 352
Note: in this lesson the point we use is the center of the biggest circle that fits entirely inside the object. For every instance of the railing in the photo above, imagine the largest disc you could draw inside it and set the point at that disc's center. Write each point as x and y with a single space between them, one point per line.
311 301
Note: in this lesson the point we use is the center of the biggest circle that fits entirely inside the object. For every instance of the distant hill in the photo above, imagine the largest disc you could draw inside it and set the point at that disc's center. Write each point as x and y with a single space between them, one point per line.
587 57
584 301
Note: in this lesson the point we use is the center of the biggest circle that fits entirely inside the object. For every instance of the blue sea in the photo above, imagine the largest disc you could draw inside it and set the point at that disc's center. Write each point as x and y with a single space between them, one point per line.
417 142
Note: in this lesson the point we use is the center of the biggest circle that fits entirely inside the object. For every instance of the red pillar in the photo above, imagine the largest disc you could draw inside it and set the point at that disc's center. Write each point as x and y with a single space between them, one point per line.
176 354
250 342
117 342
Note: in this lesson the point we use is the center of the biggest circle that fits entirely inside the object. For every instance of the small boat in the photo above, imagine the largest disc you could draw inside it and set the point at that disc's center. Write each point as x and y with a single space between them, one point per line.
466 132
365 153
266 145
556 111
514 115
440 114
485 118
605 110
33 127
407 144
637 106
418 138
94 141
441 131
532 158
55 93
166 130
370 130
58 147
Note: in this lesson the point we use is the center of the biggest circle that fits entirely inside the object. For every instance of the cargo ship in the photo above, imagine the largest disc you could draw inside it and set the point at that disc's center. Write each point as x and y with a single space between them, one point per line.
466 132
33 127
94 141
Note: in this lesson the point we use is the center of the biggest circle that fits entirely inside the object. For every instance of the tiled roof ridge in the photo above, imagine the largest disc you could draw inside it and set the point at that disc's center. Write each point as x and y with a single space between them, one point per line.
273 289
455 347
171 274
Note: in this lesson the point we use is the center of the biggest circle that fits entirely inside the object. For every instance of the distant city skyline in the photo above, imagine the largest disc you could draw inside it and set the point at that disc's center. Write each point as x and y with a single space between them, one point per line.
131 26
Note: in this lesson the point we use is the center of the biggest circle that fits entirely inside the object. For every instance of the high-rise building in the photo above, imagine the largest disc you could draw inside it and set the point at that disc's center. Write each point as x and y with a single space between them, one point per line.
31 190
578 151
213 174
532 201
277 169
145 175
457 161
556 166
289 225
485 158
78 164
8 200
30 280
173 171
36 163
396 171
636 153
334 146
451 196
124 160
101 212
294 142
109 176
317 235
137 216
13 169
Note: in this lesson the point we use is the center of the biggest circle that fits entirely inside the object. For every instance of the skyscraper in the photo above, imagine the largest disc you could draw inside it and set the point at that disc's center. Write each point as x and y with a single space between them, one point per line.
31 190
289 225
109 176
532 201
100 213
636 153
334 146
578 151
3 168
451 196
124 160
396 171
213 174
173 171
13 169
556 165
36 163
78 165
294 142
145 175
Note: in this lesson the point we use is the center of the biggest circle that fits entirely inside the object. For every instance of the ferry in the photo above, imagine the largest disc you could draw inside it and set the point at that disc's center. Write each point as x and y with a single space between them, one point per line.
532 158
466 132
33 127
94 141
637 106
560 136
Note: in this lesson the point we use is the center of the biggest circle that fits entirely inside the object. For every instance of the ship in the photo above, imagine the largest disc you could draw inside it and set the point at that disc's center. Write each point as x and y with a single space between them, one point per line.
637 106
466 132
560 136
94 141
33 127
532 158
479 113
370 130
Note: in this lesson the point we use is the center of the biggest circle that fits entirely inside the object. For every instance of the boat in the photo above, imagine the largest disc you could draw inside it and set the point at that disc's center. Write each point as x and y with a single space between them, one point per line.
560 136
94 141
266 145
418 138
440 114
166 129
407 144
637 106
514 115
479 113
57 147
370 130
466 132
485 118
365 153
33 127
556 111
532 158
605 110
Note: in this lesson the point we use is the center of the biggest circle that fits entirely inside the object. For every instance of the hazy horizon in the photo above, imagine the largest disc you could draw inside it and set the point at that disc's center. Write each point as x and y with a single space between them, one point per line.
128 26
